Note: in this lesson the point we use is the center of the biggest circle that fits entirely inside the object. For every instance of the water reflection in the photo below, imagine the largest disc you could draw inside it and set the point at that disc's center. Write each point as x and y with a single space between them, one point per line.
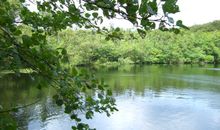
148 98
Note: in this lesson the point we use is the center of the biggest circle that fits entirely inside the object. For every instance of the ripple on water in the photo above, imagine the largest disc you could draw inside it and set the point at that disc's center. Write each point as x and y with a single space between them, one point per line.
204 79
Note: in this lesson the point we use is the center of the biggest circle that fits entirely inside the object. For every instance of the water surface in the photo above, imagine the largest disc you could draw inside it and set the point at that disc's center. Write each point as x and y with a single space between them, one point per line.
156 97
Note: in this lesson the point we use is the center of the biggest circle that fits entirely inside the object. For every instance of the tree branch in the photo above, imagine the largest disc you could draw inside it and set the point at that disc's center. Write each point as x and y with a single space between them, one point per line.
19 107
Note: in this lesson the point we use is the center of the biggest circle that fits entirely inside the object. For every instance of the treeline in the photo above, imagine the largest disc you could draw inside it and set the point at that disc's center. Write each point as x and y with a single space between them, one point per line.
197 45
208 27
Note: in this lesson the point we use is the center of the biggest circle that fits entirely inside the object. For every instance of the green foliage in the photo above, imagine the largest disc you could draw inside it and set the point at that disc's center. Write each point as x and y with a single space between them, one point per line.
209 27
24 44
7 122
156 48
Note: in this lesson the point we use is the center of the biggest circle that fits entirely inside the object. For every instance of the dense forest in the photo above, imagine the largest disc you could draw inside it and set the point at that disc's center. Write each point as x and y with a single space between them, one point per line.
200 44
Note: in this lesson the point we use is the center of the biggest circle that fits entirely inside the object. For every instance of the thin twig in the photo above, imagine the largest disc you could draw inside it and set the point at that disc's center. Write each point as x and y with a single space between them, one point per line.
19 107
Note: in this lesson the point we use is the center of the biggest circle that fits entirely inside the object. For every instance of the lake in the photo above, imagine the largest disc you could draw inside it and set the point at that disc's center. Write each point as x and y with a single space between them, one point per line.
149 97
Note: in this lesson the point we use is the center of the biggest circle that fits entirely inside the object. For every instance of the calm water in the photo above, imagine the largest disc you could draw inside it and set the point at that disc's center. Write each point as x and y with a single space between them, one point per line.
148 98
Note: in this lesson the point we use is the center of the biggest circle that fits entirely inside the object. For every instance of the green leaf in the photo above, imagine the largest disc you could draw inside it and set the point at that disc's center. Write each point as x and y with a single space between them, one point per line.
59 102
143 8
180 24
170 6
109 92
89 115
87 15
72 8
68 109
117 29
74 128
82 126
95 14
73 116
